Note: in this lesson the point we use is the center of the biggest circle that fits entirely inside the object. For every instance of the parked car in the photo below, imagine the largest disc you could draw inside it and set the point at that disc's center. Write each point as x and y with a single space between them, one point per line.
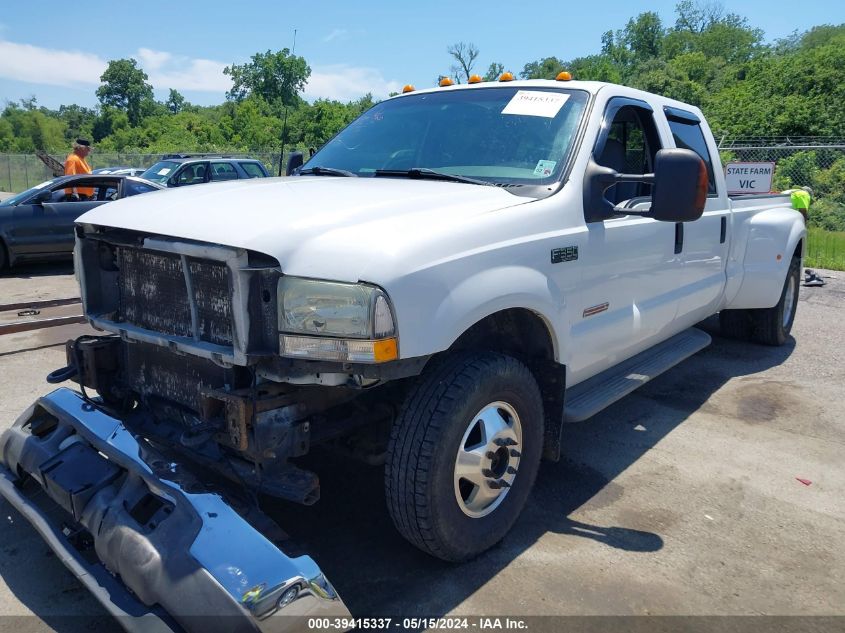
179 170
37 224
449 280
120 171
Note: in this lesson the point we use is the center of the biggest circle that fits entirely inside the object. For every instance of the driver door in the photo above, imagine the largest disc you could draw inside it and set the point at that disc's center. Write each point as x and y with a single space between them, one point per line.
58 217
631 271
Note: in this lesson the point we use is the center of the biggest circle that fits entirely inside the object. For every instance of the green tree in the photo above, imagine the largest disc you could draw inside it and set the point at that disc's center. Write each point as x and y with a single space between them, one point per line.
175 102
494 71
124 86
547 68
278 78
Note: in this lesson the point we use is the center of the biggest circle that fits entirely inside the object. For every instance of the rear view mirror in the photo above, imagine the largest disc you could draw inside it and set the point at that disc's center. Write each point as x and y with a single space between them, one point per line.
295 161
680 186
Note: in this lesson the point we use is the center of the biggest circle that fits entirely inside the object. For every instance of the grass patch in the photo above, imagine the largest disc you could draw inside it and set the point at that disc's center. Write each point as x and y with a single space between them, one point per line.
825 249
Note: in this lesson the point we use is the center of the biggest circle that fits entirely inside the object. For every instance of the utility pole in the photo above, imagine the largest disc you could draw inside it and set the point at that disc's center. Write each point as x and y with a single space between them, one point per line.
285 122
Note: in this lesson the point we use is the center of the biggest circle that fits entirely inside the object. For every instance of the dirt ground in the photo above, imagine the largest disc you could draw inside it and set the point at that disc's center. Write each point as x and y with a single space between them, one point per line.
682 499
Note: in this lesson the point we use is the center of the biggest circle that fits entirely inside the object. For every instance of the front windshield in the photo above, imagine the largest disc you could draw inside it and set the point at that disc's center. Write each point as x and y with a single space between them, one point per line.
161 171
17 199
501 135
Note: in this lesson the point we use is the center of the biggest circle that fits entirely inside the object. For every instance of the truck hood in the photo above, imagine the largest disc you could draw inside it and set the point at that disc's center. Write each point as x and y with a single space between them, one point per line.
325 227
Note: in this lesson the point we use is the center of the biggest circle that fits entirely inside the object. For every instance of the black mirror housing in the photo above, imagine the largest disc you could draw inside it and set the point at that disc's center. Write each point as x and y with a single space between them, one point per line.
680 186
295 161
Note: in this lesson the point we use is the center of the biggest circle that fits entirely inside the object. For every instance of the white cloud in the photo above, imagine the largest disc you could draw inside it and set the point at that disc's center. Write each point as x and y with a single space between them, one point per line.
55 67
166 70
334 34
23 62
34 64
149 59
345 83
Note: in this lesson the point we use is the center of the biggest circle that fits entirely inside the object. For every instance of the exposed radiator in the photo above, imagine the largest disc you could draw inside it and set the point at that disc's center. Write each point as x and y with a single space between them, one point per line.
153 294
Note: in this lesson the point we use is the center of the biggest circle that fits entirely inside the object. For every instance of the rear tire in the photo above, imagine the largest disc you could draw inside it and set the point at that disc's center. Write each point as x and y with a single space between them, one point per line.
470 411
771 326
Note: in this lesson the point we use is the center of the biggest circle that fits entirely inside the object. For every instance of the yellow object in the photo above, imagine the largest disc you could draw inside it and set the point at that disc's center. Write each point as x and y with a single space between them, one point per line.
446 82
800 200
385 350
564 76
475 79
506 76
408 88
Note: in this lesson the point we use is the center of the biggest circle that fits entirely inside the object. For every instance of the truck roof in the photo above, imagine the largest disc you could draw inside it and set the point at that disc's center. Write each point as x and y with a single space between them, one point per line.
593 87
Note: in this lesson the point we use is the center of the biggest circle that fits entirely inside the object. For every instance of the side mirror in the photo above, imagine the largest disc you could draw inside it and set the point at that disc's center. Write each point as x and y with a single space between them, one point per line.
42 197
680 186
295 161
173 181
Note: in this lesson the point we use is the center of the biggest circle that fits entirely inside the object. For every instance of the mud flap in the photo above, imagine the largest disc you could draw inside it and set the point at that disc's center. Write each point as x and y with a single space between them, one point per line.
153 546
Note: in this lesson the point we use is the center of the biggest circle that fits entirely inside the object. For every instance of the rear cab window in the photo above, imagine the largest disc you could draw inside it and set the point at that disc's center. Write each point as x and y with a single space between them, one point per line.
687 134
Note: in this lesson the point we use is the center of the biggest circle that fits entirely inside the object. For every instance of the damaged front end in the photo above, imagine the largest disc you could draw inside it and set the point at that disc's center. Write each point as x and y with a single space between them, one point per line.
161 550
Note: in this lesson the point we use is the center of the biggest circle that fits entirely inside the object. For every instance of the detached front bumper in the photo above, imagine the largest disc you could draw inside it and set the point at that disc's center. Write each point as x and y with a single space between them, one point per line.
158 551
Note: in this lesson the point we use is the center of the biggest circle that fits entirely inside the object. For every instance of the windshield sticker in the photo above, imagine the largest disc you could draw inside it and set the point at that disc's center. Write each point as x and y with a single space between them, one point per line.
164 171
536 103
544 168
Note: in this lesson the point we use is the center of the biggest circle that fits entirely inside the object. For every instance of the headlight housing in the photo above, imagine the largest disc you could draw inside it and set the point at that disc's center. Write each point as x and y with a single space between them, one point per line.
328 320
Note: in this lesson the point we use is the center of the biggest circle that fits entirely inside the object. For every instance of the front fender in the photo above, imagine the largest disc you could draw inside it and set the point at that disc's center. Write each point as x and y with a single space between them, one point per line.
773 237
472 299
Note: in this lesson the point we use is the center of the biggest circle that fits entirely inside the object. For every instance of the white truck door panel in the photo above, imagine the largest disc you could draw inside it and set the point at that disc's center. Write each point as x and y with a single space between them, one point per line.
629 293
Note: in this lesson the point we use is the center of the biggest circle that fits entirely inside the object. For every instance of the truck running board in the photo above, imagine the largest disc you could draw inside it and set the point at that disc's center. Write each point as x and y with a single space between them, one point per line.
586 399
160 552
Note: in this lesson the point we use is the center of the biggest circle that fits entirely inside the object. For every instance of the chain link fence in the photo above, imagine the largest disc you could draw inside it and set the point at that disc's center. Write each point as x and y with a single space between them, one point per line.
19 172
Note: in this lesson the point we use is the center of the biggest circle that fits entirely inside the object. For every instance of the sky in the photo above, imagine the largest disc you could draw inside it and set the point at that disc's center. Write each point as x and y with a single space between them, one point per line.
56 51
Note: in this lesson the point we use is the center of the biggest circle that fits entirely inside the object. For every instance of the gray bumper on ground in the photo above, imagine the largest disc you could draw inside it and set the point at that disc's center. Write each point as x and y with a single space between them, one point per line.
157 550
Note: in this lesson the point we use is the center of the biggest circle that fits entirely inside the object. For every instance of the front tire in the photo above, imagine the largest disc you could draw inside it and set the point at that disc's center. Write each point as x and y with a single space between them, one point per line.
464 453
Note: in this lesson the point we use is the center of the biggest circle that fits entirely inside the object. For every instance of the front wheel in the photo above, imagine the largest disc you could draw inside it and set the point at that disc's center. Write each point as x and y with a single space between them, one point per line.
464 453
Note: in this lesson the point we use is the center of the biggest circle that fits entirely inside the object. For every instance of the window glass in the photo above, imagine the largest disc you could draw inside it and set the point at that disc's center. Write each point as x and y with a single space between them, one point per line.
253 170
631 147
161 171
502 134
134 188
192 174
688 135
223 171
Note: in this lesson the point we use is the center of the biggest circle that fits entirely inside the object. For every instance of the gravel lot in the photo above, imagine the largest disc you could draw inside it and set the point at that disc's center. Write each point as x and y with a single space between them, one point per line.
681 499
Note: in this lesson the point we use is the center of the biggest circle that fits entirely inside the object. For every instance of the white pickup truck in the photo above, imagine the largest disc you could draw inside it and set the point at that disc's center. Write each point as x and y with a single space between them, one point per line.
441 288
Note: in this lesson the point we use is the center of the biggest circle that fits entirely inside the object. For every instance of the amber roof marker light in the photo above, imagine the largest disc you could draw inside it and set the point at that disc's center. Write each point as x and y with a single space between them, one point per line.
474 79
445 81
564 75
506 76
408 88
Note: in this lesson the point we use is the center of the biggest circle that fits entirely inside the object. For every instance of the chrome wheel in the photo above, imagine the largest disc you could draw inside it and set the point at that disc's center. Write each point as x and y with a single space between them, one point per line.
487 461
789 300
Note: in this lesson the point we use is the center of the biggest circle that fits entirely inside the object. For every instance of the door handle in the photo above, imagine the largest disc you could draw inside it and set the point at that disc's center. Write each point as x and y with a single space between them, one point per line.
724 230
679 237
